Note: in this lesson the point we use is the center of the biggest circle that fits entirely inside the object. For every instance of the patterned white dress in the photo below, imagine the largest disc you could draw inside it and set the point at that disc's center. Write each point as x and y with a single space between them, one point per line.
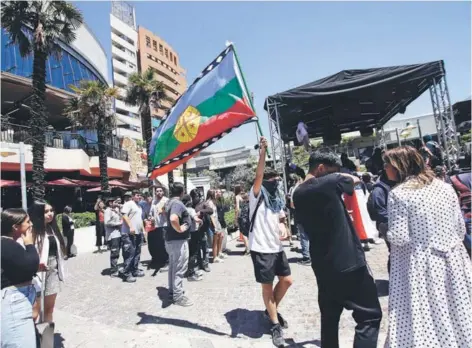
430 303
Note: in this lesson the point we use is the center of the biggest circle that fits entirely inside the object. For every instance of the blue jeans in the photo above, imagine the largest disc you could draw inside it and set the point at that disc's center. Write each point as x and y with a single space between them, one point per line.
304 242
17 317
131 245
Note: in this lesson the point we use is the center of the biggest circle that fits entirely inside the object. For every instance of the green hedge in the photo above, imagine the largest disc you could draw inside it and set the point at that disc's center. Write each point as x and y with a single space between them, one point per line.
80 219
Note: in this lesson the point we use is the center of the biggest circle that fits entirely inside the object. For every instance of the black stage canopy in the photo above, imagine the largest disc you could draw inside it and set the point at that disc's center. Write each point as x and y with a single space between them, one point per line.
352 100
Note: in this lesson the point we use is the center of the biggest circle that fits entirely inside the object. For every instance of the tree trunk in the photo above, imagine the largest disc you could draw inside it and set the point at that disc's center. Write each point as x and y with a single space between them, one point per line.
103 157
38 122
146 128
184 169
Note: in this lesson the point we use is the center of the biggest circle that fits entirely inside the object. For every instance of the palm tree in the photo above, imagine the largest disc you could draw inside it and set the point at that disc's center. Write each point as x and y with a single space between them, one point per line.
92 109
35 27
146 93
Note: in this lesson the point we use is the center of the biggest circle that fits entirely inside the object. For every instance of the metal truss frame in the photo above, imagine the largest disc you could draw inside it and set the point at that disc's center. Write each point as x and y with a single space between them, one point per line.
444 119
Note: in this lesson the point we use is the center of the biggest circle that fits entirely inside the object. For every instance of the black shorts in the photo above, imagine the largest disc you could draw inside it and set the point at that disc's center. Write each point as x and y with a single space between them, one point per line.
267 266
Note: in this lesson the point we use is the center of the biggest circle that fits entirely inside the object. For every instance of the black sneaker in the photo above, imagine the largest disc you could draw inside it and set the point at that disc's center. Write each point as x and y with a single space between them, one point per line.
206 268
195 278
304 262
115 274
183 301
277 336
281 319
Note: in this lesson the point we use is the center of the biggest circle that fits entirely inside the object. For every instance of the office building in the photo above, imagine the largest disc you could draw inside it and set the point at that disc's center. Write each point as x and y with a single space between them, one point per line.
124 43
155 53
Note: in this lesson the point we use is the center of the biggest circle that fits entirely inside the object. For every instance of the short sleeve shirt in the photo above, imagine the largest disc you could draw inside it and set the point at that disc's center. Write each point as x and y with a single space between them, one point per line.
175 206
334 245
134 212
160 217
265 235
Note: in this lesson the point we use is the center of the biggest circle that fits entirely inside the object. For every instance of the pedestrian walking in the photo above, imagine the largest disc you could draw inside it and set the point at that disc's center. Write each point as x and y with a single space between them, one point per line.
337 257
113 222
269 260
68 229
177 236
20 262
216 229
430 293
222 208
99 224
132 231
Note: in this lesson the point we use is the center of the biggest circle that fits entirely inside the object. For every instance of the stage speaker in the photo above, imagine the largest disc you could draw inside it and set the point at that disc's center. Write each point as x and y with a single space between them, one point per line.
366 132
332 135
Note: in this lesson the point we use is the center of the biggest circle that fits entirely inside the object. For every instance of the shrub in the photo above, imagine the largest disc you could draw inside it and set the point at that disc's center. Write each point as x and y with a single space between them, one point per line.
229 218
80 219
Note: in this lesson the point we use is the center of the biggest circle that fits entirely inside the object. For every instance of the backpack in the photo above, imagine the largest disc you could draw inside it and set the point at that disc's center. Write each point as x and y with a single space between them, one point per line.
245 222
370 202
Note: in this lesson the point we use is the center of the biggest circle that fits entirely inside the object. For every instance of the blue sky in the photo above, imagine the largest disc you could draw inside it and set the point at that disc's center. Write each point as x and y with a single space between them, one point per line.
285 44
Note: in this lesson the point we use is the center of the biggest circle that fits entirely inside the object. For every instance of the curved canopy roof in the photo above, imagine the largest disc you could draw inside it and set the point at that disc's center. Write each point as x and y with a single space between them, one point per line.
353 99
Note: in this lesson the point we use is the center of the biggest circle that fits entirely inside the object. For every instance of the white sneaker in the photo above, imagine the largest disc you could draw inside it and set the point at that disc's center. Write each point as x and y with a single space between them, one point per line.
217 260
222 256
199 272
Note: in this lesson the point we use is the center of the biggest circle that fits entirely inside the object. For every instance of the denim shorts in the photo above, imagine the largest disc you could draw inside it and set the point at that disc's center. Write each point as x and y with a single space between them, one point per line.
17 317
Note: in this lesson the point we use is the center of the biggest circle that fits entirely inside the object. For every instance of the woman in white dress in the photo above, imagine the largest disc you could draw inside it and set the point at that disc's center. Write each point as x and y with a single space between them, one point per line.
430 303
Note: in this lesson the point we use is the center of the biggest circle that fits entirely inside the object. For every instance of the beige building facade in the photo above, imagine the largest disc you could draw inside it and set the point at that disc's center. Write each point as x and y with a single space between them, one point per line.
156 53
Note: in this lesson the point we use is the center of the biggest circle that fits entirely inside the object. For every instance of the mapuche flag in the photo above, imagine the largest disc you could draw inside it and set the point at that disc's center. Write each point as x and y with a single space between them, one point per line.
215 104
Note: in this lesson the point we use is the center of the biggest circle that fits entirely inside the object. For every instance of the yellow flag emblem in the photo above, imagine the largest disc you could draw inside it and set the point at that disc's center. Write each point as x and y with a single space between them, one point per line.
187 125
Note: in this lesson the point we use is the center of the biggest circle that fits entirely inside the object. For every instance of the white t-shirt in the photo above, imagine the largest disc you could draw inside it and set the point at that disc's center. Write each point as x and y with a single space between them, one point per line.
156 208
134 212
265 236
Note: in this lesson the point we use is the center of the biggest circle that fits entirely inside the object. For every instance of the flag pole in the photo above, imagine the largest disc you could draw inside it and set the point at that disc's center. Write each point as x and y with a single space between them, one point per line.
249 97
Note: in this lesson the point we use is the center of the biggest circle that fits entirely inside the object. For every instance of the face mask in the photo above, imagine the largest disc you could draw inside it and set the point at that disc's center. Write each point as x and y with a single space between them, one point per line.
270 186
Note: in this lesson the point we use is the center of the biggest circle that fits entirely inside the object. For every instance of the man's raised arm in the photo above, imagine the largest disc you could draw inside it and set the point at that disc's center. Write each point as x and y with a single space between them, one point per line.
260 166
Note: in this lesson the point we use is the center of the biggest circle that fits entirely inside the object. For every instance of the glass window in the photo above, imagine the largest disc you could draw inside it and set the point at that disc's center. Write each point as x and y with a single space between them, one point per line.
67 69
175 60
167 53
76 70
161 49
57 79
148 41
171 56
154 45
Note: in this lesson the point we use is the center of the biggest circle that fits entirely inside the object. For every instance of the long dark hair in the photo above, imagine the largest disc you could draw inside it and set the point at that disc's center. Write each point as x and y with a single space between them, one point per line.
211 195
10 218
36 213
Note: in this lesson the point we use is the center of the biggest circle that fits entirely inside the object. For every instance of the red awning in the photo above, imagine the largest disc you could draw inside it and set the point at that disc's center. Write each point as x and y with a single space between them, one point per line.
98 189
72 183
119 183
9 183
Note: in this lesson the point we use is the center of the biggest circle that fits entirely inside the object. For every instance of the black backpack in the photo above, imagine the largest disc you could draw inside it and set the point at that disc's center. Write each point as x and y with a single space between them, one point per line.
245 222
370 203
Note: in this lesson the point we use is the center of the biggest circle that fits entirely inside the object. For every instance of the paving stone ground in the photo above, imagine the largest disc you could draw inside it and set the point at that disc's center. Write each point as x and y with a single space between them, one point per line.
94 310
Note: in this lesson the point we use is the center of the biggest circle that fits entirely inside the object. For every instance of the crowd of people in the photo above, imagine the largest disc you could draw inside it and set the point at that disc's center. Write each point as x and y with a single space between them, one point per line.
423 216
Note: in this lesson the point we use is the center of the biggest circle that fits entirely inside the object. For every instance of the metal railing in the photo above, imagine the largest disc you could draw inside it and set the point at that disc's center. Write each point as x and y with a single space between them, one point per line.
15 133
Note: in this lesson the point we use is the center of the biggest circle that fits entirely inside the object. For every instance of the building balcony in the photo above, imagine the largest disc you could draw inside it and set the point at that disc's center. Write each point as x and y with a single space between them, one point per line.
120 79
117 52
119 104
123 67
65 152
122 42
125 132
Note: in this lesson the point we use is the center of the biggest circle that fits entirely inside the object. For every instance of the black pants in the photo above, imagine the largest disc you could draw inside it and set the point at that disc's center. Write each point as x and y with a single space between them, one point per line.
202 249
131 244
388 263
70 242
354 291
115 245
195 258
99 234
157 248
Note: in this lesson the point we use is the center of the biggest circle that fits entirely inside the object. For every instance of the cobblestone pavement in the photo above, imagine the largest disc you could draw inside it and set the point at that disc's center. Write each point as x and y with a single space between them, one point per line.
94 310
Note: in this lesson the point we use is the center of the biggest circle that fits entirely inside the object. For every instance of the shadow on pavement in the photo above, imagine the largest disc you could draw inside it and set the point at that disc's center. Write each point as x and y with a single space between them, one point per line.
382 287
292 344
152 319
248 323
58 341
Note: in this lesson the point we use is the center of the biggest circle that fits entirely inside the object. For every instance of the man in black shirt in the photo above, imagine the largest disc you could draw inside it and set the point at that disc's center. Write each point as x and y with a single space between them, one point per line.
336 252
177 235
